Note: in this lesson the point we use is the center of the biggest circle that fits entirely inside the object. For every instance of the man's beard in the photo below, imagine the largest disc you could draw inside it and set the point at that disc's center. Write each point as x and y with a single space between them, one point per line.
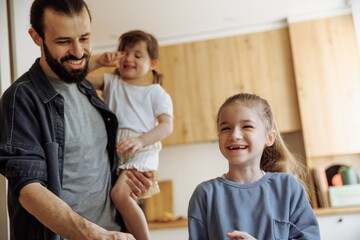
68 76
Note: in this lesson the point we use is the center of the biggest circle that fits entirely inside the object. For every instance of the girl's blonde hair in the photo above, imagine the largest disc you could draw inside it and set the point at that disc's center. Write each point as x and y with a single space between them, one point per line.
129 39
277 157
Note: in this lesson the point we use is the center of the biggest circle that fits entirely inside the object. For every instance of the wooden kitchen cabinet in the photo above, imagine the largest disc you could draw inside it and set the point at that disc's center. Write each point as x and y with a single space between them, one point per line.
327 72
199 76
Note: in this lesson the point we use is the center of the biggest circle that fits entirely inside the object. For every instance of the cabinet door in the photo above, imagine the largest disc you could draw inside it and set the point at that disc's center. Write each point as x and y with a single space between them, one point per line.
327 73
201 75
337 227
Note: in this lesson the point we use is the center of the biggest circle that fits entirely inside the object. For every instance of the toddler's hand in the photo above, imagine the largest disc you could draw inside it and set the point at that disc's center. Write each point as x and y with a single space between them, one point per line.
109 59
129 145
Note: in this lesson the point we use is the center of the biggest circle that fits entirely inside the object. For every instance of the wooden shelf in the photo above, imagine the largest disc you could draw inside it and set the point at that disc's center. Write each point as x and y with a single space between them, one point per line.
181 223
336 211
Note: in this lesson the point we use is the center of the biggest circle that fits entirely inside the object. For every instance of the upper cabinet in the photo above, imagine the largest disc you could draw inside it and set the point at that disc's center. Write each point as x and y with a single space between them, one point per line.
199 76
327 72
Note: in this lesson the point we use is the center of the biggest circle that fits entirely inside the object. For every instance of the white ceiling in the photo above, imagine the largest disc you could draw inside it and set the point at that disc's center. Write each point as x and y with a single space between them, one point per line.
174 21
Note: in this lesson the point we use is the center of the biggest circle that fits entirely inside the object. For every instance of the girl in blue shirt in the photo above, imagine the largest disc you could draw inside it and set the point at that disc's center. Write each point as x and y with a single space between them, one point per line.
255 199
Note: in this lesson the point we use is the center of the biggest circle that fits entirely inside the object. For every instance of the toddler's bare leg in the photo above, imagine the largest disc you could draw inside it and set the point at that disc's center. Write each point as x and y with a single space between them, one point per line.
130 211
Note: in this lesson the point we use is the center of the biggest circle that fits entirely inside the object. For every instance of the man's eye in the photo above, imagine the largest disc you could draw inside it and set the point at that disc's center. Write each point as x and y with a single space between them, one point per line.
225 128
62 42
84 39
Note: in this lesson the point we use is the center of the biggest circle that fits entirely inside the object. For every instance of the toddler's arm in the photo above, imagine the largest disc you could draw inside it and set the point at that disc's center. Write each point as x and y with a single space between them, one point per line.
107 59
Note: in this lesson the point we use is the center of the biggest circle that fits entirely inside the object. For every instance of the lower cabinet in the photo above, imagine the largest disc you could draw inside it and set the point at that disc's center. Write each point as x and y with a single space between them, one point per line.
170 233
341 226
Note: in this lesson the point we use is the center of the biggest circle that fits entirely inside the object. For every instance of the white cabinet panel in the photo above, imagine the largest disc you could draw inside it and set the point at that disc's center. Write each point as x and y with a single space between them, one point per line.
170 233
340 227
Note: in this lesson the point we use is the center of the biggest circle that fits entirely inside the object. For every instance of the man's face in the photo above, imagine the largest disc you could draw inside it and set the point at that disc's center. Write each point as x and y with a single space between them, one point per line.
66 46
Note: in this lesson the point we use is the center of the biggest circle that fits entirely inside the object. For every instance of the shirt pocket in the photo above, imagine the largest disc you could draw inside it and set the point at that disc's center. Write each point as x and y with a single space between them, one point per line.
281 229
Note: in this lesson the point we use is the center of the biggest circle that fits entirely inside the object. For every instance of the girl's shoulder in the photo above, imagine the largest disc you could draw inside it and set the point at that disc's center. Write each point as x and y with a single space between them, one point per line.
282 176
209 184
285 179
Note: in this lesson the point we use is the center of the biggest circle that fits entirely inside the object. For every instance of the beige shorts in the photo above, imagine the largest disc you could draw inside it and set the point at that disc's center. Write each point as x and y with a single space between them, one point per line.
145 159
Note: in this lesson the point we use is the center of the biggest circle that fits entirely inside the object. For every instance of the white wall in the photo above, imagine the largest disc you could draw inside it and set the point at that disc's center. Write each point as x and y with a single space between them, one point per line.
187 166
4 83
4 49
24 49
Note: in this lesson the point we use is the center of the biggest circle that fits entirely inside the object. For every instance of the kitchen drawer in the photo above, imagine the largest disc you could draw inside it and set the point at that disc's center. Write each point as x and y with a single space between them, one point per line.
342 226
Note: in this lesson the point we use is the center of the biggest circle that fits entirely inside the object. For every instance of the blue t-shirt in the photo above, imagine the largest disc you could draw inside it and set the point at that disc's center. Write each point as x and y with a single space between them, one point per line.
274 207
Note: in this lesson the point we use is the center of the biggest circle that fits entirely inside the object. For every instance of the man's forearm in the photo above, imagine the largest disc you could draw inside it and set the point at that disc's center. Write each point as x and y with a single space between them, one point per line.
55 214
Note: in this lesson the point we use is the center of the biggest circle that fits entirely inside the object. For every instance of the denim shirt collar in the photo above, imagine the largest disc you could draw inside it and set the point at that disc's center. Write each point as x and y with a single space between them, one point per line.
44 87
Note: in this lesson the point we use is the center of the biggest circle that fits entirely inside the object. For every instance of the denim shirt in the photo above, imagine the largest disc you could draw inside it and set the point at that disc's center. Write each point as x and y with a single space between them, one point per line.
32 136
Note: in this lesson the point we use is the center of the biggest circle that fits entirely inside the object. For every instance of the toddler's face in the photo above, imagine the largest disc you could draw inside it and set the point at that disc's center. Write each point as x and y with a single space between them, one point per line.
135 62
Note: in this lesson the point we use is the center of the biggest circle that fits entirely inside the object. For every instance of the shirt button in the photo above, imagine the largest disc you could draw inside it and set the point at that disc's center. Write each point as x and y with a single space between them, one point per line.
108 119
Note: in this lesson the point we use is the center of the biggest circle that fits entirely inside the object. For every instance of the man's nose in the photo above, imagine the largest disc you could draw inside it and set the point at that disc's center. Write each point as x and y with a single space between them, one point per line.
77 50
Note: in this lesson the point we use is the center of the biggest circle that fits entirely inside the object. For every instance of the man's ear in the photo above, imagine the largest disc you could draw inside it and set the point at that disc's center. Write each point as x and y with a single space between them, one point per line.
35 37
154 63
270 138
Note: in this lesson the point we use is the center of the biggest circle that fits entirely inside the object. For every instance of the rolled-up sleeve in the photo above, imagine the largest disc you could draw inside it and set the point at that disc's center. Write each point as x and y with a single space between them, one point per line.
22 159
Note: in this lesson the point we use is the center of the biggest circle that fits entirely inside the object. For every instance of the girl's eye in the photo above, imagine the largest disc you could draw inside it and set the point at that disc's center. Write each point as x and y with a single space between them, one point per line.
225 129
248 126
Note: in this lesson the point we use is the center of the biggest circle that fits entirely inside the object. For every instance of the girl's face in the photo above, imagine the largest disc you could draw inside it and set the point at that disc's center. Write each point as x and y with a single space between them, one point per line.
242 135
135 62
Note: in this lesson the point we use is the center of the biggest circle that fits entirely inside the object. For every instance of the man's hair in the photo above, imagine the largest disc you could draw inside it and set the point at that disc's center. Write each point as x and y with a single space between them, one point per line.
65 7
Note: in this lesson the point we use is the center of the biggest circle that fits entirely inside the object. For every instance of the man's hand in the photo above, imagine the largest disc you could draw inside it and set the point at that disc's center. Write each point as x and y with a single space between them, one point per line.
139 182
119 236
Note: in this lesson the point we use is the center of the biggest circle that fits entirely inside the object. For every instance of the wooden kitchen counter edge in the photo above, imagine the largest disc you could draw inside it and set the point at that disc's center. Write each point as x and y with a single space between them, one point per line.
170 224
319 212
336 211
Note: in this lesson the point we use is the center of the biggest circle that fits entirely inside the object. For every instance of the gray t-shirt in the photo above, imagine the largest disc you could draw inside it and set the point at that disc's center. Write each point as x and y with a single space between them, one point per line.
274 207
86 178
